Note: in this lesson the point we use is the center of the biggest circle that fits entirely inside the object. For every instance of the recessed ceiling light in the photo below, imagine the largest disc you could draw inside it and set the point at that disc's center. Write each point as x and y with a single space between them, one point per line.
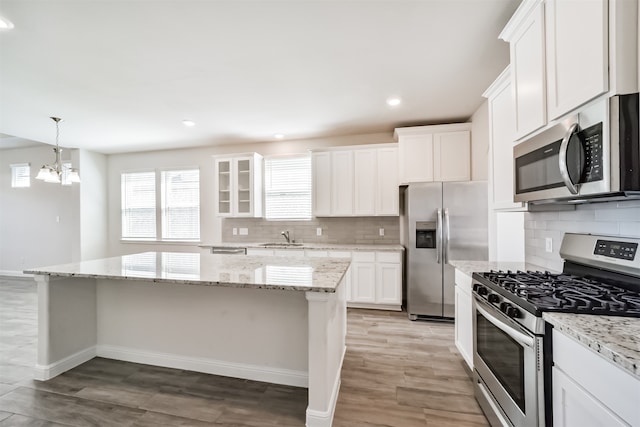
392 102
278 136
5 24
188 123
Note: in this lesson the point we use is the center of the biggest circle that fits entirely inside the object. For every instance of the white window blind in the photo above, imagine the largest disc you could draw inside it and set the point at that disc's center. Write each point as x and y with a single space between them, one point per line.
138 205
288 187
20 175
66 168
181 204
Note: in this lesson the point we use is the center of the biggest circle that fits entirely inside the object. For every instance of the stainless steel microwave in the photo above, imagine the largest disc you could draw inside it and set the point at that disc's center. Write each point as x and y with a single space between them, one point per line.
593 155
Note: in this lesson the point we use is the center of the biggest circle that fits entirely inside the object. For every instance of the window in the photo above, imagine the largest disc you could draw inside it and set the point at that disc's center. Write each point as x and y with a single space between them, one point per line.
20 175
288 187
181 204
138 205
164 203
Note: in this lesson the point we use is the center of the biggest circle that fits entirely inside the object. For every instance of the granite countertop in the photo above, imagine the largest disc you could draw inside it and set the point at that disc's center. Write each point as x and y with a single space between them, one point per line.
469 267
314 246
240 271
615 338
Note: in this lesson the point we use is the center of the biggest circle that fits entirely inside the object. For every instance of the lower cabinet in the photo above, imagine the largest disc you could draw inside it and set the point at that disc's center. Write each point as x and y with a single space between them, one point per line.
464 317
588 390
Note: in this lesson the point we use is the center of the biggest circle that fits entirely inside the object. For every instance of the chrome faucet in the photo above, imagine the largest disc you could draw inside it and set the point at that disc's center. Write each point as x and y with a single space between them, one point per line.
286 235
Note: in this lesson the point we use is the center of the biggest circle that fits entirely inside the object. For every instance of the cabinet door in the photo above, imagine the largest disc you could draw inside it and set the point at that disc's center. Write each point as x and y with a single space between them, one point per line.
223 171
502 131
452 156
387 200
243 186
527 62
464 325
321 166
574 406
364 182
569 41
363 282
342 183
388 283
416 158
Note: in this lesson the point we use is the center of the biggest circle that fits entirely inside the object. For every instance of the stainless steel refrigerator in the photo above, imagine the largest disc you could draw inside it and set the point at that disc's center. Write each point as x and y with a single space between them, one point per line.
440 222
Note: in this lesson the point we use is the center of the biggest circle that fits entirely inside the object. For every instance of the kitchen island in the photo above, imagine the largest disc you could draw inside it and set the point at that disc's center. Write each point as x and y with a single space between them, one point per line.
271 319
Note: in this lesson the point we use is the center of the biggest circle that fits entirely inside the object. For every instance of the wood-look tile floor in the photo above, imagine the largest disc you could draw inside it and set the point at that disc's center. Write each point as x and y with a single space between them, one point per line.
396 373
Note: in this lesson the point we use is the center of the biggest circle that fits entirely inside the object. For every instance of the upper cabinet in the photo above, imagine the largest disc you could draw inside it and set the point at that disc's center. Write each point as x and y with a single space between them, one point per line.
565 53
525 34
501 141
356 181
239 185
434 153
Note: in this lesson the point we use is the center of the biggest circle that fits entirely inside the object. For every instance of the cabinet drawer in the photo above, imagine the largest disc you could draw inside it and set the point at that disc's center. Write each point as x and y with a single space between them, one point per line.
364 257
612 386
293 253
311 253
340 254
388 257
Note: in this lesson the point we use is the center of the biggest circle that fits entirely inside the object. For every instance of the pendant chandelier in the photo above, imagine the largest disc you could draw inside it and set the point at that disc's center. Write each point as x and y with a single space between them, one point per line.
58 172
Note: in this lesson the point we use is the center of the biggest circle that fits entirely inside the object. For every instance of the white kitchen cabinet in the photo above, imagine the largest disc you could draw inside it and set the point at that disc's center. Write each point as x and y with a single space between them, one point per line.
501 142
356 181
571 44
452 156
464 317
589 390
365 167
525 35
363 271
434 153
342 183
387 202
388 278
292 253
321 172
239 185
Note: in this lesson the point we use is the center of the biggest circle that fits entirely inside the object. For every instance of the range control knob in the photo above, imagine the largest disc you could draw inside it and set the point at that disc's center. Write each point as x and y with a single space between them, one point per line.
513 312
482 291
503 306
493 298
476 286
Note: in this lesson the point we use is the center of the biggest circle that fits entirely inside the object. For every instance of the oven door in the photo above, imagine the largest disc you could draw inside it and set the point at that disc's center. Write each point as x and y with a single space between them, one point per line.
508 369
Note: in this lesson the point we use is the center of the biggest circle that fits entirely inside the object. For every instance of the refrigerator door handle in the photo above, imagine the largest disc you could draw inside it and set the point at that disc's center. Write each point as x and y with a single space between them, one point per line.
438 235
446 238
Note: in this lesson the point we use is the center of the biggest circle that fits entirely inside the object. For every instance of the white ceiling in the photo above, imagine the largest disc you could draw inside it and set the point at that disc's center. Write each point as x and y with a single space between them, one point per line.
124 74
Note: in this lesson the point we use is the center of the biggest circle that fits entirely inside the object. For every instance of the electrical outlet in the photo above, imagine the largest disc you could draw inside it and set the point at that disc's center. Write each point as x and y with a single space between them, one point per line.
381 231
235 231
244 231
319 231
548 244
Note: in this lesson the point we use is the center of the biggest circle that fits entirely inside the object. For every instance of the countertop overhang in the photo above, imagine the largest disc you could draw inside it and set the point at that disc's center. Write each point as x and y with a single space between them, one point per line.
241 271
313 246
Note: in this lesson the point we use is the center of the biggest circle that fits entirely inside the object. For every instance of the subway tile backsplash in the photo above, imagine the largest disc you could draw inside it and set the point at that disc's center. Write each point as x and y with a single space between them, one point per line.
613 219
360 230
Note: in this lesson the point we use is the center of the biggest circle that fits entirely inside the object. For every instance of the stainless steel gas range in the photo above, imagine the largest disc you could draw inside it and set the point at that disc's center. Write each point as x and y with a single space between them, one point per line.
512 351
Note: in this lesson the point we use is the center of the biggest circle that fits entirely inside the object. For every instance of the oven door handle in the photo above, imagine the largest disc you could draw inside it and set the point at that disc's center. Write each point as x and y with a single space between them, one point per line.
562 159
521 338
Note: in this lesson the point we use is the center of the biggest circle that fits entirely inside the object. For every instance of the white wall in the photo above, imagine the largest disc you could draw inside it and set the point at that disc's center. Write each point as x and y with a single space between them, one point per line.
93 205
480 143
210 225
30 235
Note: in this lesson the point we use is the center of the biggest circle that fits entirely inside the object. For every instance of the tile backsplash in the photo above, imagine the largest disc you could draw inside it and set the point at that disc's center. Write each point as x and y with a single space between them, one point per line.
361 230
612 218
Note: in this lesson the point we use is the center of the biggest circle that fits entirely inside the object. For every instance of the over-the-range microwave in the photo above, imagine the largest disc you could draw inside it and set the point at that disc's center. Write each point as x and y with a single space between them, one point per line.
591 156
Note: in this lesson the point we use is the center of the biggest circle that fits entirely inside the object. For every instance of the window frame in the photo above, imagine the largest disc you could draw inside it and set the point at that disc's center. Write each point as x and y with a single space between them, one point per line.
266 191
159 208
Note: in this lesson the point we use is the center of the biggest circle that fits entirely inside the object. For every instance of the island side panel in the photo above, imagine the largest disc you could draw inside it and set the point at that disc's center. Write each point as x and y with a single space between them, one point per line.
66 324
327 331
248 333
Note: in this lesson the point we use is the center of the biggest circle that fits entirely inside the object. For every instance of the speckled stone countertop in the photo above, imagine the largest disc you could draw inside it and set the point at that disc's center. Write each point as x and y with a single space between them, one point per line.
469 267
314 246
239 271
615 338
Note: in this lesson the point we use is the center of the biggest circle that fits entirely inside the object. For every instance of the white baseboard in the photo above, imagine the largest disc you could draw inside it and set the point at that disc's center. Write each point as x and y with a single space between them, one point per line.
390 307
46 372
317 418
208 366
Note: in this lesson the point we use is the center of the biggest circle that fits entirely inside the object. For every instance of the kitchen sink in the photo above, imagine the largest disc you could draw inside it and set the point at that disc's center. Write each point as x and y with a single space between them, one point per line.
280 245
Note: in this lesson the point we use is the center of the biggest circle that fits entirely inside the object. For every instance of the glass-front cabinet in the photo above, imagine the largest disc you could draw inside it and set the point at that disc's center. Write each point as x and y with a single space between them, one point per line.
239 185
